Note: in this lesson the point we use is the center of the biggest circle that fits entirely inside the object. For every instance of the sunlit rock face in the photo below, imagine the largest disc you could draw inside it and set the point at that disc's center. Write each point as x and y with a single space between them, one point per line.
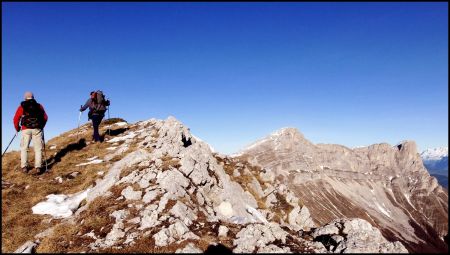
386 185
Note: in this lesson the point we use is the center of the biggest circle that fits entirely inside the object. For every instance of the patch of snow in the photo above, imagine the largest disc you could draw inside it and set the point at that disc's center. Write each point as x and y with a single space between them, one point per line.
60 206
256 214
120 124
96 161
123 138
94 157
111 148
100 173
52 147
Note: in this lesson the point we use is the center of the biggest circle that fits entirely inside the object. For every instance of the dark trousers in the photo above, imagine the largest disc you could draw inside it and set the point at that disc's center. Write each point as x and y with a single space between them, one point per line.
96 120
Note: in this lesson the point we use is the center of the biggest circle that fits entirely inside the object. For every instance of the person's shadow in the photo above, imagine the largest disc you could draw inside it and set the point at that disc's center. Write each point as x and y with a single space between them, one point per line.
70 147
218 249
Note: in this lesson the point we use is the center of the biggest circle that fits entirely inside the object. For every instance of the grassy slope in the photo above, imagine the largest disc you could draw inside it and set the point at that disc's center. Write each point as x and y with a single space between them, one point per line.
20 191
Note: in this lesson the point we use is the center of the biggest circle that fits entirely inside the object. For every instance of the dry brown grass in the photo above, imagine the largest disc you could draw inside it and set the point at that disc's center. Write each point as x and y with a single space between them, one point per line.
58 241
169 162
146 245
18 223
96 218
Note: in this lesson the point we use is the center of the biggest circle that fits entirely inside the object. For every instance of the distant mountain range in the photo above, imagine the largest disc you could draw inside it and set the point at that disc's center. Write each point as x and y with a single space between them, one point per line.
436 162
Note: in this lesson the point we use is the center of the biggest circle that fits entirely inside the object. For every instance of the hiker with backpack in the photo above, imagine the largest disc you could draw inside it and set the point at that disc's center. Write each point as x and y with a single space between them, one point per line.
97 107
31 118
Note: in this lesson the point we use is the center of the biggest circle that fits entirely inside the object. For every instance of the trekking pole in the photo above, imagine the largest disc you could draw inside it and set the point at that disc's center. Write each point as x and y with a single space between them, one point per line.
10 143
109 128
78 129
45 157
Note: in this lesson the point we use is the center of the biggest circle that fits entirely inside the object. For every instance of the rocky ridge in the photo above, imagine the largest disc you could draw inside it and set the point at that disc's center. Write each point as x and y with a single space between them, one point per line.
167 191
386 185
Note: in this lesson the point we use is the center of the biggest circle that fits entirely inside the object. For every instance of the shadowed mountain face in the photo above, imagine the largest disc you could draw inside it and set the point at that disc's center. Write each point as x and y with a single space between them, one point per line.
386 185
439 166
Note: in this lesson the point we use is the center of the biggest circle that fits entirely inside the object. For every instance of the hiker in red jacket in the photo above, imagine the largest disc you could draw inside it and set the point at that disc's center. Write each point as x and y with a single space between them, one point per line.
31 118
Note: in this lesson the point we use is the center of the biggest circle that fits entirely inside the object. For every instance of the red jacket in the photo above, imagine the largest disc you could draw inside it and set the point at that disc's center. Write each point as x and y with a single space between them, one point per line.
19 114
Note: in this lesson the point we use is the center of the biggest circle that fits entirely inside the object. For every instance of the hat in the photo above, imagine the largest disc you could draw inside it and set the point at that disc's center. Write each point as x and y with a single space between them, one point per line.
28 95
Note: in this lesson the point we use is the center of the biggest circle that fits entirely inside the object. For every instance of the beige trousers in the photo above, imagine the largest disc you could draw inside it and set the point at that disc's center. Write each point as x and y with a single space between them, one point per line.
37 136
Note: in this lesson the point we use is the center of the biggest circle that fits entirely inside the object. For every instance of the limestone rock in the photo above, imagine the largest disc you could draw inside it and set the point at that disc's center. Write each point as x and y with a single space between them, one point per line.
258 236
27 247
130 194
359 237
223 231
189 248
175 232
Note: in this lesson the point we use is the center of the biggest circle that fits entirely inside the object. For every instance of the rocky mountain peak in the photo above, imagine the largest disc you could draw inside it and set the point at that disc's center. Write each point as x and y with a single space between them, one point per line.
288 131
384 184
434 153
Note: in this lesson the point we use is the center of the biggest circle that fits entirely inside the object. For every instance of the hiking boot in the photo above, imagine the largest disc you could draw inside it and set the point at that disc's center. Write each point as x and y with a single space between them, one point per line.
39 170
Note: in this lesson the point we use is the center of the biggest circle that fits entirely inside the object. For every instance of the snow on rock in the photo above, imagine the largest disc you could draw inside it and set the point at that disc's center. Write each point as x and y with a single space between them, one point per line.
120 124
130 135
434 153
95 161
118 151
60 206
256 214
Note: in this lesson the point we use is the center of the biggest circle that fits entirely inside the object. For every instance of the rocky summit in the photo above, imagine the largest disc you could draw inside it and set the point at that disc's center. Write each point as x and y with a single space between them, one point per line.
152 186
388 186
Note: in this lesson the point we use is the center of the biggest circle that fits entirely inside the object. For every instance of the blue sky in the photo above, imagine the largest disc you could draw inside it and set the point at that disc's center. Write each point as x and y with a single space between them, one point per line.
347 73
